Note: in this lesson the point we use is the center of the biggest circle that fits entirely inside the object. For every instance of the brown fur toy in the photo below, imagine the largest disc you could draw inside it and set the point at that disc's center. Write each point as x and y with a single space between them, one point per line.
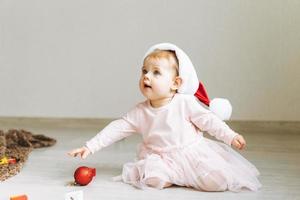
17 144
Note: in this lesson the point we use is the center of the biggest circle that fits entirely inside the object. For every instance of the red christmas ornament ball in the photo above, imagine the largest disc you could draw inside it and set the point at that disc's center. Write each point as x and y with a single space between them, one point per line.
84 175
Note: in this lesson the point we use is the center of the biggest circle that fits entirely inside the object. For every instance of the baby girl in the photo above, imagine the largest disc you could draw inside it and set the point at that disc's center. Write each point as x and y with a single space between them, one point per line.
171 121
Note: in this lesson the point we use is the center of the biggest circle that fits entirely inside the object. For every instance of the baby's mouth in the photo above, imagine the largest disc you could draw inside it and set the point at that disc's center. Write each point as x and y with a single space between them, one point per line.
146 85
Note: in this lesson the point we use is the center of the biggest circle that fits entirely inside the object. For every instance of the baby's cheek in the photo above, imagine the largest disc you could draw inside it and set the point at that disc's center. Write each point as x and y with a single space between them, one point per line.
158 90
163 88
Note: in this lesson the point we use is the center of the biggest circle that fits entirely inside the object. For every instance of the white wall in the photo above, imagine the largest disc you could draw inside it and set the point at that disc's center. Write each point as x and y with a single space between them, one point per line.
71 58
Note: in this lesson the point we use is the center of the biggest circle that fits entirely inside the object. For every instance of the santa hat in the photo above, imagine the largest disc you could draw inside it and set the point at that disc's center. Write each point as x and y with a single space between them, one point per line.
190 83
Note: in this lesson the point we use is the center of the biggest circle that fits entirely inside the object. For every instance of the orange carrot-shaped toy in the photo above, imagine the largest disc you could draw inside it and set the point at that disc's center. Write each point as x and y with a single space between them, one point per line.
19 197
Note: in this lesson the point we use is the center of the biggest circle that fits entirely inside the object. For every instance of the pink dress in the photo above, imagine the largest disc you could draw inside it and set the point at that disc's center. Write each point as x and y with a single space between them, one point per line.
174 149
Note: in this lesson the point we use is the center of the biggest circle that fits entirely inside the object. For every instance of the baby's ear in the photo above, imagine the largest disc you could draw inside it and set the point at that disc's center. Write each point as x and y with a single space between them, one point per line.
177 83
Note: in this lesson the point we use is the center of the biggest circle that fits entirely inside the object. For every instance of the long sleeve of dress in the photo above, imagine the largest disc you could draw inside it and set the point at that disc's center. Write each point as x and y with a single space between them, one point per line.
207 121
114 132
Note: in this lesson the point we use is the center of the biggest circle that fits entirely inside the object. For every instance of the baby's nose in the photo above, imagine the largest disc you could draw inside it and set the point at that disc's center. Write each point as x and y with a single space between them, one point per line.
146 76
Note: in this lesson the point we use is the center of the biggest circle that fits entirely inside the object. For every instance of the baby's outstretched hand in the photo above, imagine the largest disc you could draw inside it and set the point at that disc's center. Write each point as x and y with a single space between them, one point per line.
83 152
238 142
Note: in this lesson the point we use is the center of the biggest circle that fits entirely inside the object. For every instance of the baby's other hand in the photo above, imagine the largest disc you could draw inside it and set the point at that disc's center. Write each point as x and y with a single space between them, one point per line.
83 152
239 142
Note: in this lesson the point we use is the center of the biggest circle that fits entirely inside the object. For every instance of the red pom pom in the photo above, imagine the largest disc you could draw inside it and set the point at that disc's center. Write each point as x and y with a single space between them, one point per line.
84 175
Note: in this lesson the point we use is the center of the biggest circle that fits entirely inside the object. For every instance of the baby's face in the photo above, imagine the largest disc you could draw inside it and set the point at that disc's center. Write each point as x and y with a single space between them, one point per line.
157 78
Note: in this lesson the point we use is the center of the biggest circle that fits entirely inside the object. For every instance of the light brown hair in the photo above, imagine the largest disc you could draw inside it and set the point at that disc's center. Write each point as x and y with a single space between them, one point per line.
167 54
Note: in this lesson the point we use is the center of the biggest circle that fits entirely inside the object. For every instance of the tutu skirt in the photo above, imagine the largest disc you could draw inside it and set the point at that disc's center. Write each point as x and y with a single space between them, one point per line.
205 165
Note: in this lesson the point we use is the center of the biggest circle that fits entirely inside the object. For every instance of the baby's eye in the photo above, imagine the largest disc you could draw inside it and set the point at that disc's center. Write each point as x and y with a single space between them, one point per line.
156 72
144 71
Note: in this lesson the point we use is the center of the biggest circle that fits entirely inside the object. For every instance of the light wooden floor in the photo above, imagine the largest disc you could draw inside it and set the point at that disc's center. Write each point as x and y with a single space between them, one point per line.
273 147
